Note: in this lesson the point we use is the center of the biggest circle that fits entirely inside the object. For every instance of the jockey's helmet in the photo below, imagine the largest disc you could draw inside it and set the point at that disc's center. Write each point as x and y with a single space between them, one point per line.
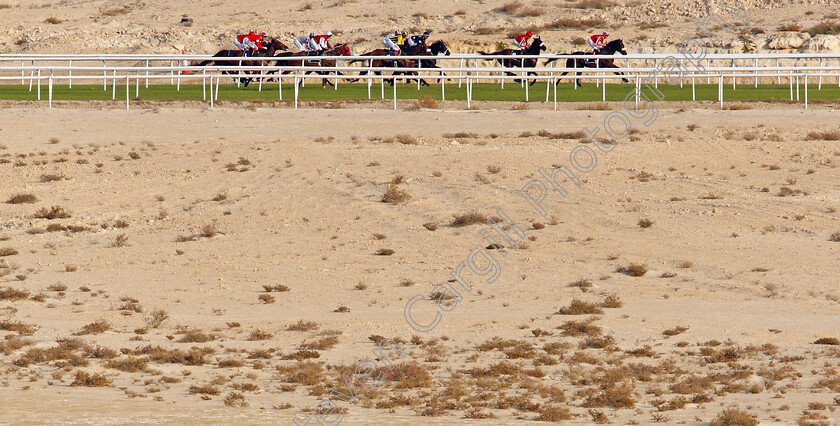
426 34
252 33
397 32
328 33
529 34
264 34
606 33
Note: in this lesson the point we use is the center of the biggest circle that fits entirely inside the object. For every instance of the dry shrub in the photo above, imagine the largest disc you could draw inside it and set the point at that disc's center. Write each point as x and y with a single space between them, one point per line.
259 334
12 294
22 199
97 327
195 336
554 413
583 284
595 106
302 325
17 327
645 223
409 376
54 212
633 270
204 390
827 341
427 102
580 328
407 139
195 356
825 27
612 395
831 135
674 331
96 380
431 226
51 177
322 344
395 195
307 373
734 417
230 363
692 385
612 301
155 318
578 24
128 364
384 252
790 27
235 399
7 251
580 307
594 4
468 219
266 298
737 107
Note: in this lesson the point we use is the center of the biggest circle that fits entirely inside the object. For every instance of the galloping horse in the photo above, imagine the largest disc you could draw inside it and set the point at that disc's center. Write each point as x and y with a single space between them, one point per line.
273 47
307 60
390 63
609 49
512 62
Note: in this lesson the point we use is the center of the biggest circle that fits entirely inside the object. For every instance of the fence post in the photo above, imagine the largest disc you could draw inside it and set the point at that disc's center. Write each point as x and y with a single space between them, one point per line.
147 73
70 74
104 77
693 91
806 91
554 80
395 93
460 73
574 80
39 84
443 89
137 83
756 73
819 85
114 86
23 75
127 86
797 87
720 90
791 84
468 91
49 91
296 90
369 76
280 84
211 91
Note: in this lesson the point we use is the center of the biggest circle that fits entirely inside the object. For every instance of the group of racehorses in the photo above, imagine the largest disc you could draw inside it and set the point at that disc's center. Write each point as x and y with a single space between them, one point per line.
283 58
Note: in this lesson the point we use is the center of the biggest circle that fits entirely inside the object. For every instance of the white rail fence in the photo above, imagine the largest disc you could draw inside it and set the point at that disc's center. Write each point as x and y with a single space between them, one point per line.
795 69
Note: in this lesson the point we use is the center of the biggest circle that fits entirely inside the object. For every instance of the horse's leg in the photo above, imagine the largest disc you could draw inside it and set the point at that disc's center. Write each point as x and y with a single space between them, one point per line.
611 64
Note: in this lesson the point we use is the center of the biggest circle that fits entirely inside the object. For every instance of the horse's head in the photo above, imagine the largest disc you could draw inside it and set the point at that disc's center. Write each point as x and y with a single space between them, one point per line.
617 45
537 45
439 47
342 50
278 45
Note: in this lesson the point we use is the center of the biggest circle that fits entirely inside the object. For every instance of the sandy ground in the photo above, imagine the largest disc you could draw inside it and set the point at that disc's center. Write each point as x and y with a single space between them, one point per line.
216 204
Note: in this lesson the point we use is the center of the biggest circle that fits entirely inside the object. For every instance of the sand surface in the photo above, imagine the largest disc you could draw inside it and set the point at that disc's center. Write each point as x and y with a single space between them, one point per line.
293 201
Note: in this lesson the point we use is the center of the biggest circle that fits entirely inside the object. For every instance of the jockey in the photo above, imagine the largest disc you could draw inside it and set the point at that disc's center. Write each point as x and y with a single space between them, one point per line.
322 41
521 41
306 43
248 42
597 41
417 40
393 41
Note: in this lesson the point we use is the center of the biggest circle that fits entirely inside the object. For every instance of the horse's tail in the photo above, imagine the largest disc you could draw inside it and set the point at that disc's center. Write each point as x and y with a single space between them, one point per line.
484 53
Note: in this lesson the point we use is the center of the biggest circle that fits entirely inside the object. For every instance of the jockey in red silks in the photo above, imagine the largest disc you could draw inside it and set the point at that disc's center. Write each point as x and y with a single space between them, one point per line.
597 41
250 41
521 41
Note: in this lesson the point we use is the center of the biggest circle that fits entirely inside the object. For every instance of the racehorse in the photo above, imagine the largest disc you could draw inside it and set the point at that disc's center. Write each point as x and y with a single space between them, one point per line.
395 62
512 62
273 47
611 48
307 60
